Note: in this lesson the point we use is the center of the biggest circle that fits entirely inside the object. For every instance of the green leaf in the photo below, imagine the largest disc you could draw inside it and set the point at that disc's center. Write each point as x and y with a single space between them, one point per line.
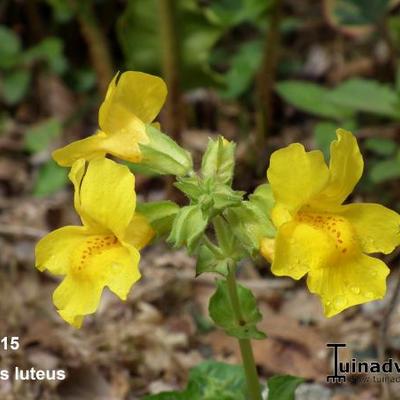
203 323
219 160
311 98
82 79
354 95
51 179
138 32
160 214
363 95
244 66
10 47
231 13
210 380
15 85
385 170
188 227
381 146
49 50
223 314
324 134
282 387
200 37
355 13
163 155
62 10
39 136
213 380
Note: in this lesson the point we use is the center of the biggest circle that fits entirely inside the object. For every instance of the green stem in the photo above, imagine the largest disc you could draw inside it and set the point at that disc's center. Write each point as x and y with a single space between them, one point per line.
97 43
266 78
171 62
249 365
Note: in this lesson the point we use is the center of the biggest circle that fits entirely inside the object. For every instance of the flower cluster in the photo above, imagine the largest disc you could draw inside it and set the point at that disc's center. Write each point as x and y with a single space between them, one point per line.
296 221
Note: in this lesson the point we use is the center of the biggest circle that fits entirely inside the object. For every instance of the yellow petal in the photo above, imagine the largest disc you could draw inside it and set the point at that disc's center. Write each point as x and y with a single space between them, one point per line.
112 265
139 232
124 143
299 248
345 168
377 227
357 280
88 149
134 94
105 261
105 196
267 249
76 175
131 101
296 175
124 271
76 298
54 251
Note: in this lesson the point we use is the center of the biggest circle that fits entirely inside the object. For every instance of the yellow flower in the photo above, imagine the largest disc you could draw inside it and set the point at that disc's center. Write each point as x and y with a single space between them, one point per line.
102 252
133 99
319 236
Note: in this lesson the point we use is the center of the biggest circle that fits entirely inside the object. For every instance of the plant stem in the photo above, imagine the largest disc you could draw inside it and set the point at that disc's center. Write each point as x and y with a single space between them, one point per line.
97 43
171 62
266 77
253 384
171 66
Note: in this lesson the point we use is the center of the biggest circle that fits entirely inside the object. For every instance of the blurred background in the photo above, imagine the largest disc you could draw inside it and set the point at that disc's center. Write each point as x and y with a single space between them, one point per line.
264 73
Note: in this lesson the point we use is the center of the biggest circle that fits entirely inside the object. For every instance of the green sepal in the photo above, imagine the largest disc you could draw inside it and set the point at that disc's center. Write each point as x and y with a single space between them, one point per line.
210 261
225 197
163 155
226 240
160 214
263 198
219 160
188 227
283 387
251 220
219 258
213 197
191 186
223 314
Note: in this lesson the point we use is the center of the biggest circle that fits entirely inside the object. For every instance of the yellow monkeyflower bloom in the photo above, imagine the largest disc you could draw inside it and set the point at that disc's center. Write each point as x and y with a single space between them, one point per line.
102 252
133 99
320 237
